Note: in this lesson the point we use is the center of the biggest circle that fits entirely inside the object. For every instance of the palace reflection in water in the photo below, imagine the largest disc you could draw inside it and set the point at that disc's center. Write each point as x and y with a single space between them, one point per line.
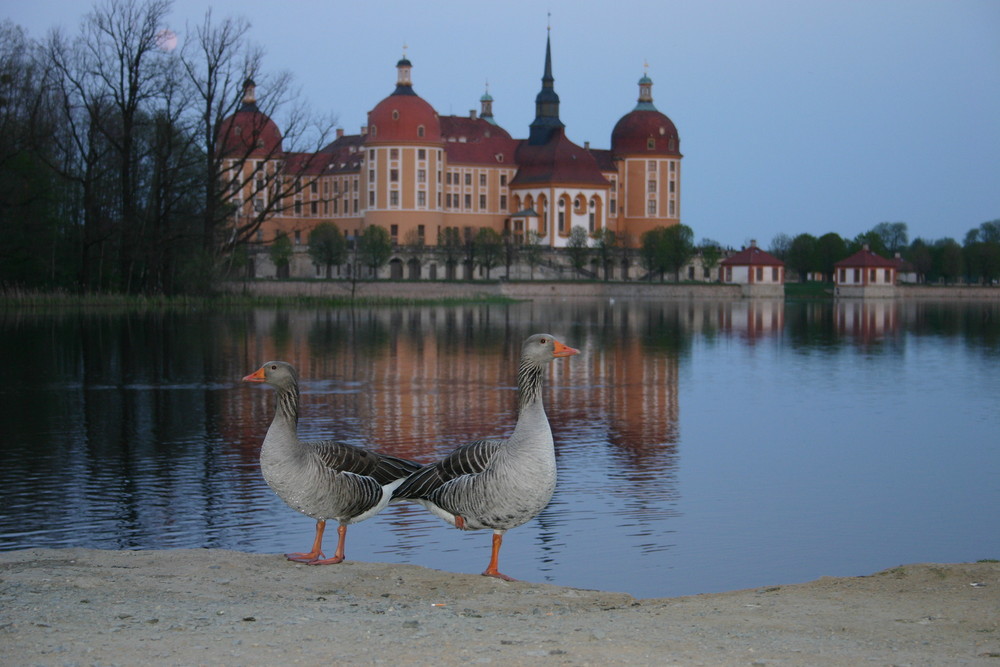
132 430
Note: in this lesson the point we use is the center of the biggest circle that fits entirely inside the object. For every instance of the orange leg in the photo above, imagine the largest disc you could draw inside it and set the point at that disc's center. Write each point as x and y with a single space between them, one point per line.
459 522
492 570
317 550
338 556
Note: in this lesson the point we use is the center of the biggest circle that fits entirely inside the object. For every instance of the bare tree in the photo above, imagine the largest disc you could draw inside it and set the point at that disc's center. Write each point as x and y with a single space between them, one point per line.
224 69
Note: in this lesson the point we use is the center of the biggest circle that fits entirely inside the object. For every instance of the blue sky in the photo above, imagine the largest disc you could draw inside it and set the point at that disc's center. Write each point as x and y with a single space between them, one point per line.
794 115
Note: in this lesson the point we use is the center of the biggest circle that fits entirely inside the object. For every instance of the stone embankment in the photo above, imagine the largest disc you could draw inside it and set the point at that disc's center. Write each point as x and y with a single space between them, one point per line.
547 289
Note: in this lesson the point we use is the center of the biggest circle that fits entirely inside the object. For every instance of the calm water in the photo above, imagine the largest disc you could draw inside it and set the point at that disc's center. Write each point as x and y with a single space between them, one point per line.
702 446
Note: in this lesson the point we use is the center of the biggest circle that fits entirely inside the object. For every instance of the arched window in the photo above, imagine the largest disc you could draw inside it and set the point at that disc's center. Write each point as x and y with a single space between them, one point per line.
420 130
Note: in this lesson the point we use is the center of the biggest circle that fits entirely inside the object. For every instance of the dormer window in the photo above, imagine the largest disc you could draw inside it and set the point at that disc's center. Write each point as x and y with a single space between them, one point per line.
651 143
395 114
420 130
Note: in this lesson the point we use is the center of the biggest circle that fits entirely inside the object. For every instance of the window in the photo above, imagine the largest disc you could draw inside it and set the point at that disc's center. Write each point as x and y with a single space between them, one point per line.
562 220
760 274
857 275
420 130
651 186
503 202
260 232
671 206
371 199
394 231
651 166
651 143
421 175
651 207
371 155
422 154
672 183
613 206
297 208
482 180
468 202
395 114
888 276
421 198
371 175
393 153
312 187
314 208
729 274
468 179
336 206
503 180
394 175
774 274
871 276
298 237
482 202
420 232
449 178
394 198
672 165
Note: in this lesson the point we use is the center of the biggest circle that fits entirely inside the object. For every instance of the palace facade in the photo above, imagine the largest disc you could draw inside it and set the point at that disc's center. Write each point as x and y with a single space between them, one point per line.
417 173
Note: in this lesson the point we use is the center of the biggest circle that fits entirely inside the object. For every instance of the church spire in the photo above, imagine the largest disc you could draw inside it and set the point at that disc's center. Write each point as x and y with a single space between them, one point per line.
546 102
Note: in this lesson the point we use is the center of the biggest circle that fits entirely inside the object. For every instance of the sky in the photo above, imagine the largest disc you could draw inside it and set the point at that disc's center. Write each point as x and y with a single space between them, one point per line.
794 116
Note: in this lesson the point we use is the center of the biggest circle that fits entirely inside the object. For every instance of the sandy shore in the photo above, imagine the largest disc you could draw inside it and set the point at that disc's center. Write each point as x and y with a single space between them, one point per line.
193 607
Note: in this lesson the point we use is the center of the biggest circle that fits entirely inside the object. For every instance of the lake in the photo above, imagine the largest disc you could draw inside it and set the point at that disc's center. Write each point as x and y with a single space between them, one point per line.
702 446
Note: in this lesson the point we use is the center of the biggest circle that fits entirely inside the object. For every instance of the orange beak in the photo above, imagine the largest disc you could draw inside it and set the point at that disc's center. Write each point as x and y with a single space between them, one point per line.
561 350
256 376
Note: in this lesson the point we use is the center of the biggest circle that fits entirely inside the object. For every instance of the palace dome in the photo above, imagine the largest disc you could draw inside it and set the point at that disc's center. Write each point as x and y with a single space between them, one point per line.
404 115
249 132
645 130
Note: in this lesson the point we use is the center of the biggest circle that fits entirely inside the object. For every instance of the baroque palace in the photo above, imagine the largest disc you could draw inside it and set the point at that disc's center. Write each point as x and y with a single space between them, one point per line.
417 173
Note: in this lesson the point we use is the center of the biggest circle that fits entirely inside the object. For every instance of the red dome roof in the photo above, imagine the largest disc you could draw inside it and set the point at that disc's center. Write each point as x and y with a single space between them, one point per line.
249 133
645 132
403 117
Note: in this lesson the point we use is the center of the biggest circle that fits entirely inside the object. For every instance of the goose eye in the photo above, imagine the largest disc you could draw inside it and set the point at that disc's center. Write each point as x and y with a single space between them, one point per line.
274 367
543 341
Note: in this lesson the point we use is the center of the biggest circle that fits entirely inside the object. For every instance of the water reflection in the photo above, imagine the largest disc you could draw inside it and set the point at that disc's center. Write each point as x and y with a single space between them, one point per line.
131 429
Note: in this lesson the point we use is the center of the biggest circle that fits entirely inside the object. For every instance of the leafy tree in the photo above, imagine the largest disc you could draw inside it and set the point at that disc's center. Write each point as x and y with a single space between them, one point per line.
374 248
327 246
577 248
532 251
650 252
487 249
920 256
982 252
802 255
893 235
606 246
948 260
678 248
830 249
450 244
281 253
711 254
871 239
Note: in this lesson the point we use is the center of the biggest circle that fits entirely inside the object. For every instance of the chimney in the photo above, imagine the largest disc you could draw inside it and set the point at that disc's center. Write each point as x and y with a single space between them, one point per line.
753 243
472 114
364 130
340 132
586 145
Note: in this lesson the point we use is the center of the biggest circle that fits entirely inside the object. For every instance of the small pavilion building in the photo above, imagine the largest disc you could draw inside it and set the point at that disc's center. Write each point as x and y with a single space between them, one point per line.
865 275
759 273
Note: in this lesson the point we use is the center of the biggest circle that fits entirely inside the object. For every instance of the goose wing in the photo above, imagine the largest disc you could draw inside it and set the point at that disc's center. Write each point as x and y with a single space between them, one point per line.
470 459
342 457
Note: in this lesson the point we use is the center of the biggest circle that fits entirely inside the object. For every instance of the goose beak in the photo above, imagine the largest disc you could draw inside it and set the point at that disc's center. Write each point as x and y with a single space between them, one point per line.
560 350
256 376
